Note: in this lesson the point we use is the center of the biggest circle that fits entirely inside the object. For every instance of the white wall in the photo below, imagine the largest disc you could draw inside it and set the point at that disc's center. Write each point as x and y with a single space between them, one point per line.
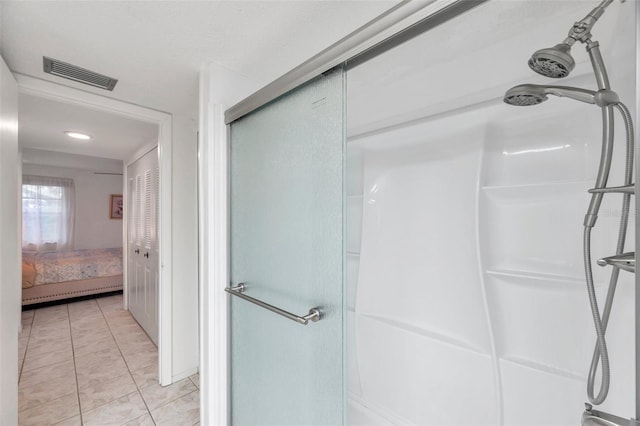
467 301
73 161
185 248
9 248
93 227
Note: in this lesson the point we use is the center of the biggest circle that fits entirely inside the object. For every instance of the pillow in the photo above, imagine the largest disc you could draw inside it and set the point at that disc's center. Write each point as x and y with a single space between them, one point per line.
49 247
28 275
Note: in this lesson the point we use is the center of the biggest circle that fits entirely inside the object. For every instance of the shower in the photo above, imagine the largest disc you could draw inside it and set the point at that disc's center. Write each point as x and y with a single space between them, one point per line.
533 94
557 62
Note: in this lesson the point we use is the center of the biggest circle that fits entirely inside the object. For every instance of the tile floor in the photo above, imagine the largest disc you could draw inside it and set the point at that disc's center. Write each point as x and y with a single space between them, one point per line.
90 363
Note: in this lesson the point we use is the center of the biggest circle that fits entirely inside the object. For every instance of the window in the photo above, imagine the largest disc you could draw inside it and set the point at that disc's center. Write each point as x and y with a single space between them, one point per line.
48 210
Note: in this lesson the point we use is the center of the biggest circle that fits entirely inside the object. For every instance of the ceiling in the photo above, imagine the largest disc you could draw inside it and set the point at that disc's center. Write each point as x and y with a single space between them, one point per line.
44 121
156 49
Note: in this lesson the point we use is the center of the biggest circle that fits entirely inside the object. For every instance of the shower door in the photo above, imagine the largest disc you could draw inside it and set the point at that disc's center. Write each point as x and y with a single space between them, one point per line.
286 186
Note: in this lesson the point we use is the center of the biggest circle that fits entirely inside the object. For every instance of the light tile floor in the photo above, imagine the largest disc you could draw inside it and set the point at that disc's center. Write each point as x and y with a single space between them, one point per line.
90 363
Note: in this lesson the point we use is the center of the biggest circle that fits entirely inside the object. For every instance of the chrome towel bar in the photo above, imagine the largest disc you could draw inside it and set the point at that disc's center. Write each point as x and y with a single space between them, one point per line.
313 315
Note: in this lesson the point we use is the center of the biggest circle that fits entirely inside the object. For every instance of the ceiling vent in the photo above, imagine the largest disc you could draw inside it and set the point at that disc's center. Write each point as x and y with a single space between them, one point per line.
75 73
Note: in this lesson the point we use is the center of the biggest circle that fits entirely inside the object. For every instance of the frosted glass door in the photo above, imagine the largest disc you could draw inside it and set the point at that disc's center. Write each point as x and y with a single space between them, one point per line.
287 248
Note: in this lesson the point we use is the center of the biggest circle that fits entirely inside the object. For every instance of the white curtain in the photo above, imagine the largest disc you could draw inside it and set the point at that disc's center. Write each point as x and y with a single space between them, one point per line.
48 213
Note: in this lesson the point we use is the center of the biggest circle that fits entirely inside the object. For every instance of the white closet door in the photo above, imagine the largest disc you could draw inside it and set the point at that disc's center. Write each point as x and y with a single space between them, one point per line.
143 243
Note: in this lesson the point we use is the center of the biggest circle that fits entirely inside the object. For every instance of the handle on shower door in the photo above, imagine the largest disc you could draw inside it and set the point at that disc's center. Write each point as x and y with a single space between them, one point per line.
314 314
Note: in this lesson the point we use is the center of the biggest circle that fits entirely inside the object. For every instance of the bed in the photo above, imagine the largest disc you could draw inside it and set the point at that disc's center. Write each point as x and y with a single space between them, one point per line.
57 275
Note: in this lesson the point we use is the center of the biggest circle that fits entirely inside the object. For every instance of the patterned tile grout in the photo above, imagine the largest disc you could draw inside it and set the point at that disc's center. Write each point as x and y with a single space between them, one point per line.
69 418
164 405
75 368
71 319
125 361
53 400
58 364
26 348
93 354
171 400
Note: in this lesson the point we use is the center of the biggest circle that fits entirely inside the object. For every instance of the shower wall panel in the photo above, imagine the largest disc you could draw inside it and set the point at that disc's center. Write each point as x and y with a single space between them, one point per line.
465 278
423 295
467 301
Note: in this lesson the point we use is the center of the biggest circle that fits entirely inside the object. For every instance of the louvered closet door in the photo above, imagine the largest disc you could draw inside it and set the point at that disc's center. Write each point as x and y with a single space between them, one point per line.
143 181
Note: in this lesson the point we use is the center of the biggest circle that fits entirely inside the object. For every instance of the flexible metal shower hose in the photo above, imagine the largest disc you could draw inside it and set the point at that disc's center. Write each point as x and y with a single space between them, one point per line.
600 351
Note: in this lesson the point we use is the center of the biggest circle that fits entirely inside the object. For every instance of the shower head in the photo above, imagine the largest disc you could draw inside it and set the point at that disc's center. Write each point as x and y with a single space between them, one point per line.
554 62
533 94
524 95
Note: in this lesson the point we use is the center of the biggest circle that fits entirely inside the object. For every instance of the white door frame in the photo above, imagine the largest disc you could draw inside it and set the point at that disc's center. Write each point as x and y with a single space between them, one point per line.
10 246
213 257
48 90
219 88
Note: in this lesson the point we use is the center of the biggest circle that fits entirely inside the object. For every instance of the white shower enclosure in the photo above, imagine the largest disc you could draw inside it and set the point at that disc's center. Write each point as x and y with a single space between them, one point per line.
467 302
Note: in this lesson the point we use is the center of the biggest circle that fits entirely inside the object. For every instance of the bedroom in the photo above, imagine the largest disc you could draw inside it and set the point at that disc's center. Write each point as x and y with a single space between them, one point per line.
71 191
73 216
85 186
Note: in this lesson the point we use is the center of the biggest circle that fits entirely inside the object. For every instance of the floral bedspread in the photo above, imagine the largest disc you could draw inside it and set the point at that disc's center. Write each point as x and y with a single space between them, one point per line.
60 266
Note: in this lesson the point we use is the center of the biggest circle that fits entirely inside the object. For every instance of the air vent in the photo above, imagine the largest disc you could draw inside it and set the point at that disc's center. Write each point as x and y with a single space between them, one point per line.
75 73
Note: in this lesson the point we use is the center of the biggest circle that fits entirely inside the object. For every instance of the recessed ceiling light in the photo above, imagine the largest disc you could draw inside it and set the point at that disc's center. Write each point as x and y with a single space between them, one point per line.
78 135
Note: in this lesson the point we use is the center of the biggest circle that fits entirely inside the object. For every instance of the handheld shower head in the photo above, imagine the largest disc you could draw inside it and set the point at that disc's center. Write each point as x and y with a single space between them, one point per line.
524 95
554 62
533 94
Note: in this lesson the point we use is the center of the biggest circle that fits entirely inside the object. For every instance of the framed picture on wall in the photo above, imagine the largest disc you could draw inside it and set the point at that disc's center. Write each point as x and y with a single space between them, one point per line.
116 207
